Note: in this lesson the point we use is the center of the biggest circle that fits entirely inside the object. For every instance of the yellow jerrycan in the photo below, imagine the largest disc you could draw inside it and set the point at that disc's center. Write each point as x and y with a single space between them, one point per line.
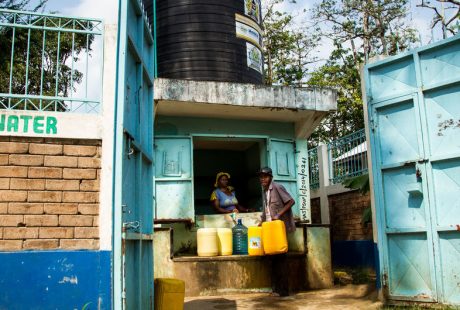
224 241
274 237
207 244
169 294
255 241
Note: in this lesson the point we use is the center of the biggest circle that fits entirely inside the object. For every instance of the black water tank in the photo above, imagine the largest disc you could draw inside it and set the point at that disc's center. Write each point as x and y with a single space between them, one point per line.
199 40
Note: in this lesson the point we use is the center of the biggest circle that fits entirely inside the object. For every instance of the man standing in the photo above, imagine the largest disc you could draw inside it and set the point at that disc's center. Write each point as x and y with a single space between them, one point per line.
277 201
277 206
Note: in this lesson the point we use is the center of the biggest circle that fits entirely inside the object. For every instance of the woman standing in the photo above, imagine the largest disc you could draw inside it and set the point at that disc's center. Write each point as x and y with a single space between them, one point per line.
223 198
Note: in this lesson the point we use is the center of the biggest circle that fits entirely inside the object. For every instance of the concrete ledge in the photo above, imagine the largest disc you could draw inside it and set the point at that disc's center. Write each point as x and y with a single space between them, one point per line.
330 190
305 107
249 95
230 257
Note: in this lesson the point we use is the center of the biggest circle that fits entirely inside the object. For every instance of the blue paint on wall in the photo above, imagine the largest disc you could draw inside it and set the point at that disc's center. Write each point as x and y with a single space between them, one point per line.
354 254
55 280
378 283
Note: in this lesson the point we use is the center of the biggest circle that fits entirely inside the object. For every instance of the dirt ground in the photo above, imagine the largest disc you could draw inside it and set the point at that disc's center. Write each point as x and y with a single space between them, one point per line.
340 298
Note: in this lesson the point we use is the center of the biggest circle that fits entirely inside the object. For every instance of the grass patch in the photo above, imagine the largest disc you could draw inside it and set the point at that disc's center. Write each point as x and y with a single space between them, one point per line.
420 307
344 276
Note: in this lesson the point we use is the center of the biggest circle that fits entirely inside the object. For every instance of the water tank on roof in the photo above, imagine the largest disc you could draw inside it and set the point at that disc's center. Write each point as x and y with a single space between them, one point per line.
210 40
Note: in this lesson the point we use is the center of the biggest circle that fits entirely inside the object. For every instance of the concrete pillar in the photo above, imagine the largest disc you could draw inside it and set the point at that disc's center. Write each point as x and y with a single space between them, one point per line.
319 259
108 98
324 176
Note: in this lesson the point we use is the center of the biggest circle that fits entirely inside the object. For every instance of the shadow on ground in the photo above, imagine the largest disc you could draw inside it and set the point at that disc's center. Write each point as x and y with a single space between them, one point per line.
340 297
211 303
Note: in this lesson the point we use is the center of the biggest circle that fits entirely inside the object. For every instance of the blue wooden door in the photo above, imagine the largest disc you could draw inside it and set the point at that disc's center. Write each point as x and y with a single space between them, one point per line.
174 179
282 162
133 173
414 114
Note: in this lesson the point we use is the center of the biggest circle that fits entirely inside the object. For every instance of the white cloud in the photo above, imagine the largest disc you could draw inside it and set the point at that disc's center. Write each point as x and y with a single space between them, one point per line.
101 9
107 10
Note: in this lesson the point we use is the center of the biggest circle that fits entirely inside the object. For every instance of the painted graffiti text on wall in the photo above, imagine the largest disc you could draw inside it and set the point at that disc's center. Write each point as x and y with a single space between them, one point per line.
304 198
25 123
303 181
50 124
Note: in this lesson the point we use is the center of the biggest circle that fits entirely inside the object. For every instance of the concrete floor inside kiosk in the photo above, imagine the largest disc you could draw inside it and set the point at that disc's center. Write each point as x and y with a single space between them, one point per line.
241 158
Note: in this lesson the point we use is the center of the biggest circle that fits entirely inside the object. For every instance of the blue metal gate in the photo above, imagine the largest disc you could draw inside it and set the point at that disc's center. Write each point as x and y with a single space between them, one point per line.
133 175
414 124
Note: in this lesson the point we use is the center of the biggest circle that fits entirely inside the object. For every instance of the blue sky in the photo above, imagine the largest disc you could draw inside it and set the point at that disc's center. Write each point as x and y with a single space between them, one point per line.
420 18
106 9
103 9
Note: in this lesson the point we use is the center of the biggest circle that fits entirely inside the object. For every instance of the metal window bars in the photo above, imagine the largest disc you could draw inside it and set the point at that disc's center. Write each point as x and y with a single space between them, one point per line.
313 168
347 157
47 63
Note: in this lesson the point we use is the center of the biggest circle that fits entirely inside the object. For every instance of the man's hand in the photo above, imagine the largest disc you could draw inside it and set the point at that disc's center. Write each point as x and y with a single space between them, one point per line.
276 217
235 210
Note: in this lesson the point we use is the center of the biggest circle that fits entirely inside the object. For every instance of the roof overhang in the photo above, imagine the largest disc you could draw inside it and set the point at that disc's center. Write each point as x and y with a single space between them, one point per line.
305 107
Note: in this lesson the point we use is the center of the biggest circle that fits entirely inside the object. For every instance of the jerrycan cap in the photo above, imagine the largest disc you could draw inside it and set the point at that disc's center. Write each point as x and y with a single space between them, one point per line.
239 222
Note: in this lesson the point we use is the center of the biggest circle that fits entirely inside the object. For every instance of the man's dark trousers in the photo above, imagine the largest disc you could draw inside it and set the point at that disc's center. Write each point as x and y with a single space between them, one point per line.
280 274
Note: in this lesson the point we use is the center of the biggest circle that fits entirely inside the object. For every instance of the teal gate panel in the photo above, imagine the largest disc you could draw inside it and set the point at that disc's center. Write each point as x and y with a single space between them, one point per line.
440 75
405 215
133 173
414 122
174 179
282 162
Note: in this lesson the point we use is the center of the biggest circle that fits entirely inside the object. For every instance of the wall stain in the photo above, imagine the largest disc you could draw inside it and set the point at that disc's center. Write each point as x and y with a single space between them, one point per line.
449 123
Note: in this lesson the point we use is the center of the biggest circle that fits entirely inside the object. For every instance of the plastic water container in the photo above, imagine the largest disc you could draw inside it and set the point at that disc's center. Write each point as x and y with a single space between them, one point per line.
169 294
207 244
274 238
255 241
224 241
240 239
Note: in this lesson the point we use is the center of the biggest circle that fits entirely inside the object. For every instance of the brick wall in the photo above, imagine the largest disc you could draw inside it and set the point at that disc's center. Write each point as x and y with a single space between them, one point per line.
316 211
346 210
49 193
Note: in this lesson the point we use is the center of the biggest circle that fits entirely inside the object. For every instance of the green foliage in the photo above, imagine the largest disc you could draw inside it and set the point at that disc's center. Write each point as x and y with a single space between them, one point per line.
370 27
48 59
345 276
287 48
360 29
341 73
419 307
360 183
366 217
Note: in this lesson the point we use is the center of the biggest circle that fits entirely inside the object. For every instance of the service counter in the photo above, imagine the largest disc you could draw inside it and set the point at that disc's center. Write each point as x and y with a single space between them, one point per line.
308 267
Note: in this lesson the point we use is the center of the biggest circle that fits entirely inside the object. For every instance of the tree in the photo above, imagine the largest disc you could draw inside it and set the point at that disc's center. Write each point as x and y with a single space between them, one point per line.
288 48
340 73
373 27
360 29
446 13
42 62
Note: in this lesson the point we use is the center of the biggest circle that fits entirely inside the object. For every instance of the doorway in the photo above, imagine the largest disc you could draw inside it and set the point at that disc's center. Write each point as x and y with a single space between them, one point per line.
239 157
